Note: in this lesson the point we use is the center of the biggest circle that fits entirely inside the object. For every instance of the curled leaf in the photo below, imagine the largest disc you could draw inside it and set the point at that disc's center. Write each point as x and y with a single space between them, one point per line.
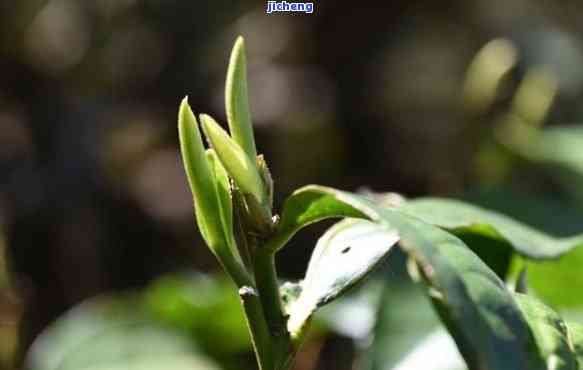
343 256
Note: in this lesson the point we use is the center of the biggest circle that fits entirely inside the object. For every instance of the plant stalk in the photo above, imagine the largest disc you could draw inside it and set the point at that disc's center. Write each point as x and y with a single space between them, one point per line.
267 283
259 331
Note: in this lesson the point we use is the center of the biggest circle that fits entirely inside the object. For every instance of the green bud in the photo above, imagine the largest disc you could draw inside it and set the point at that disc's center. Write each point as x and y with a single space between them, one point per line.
198 173
208 207
237 101
236 162
266 176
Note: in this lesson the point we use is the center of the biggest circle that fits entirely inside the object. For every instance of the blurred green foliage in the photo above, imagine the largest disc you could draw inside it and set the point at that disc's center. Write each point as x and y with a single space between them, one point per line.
112 333
207 308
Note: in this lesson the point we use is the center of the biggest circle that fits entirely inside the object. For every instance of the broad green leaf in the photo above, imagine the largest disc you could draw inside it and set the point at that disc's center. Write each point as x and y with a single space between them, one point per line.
560 258
237 101
497 254
472 301
110 333
532 209
344 255
550 333
309 205
458 216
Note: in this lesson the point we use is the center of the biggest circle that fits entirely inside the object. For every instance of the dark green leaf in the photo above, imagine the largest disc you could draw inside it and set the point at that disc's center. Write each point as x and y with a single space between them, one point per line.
479 312
532 209
459 216
471 300
560 258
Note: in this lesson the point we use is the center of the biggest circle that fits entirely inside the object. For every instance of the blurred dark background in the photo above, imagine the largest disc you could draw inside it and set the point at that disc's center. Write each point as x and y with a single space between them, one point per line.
93 198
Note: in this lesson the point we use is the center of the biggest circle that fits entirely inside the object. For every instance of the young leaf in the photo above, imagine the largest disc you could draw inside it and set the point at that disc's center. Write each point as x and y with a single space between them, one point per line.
237 101
344 255
200 177
242 169
307 206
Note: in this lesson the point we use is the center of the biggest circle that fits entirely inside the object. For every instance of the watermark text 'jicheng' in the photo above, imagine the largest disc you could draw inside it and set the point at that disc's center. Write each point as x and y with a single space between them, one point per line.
284 6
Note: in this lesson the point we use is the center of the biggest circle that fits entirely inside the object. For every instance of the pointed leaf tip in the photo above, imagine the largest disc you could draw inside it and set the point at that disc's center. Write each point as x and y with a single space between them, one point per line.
191 146
233 158
239 43
237 100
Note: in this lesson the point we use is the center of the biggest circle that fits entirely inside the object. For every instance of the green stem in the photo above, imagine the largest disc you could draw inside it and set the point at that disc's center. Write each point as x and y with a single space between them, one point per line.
259 331
267 283
268 286
260 335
